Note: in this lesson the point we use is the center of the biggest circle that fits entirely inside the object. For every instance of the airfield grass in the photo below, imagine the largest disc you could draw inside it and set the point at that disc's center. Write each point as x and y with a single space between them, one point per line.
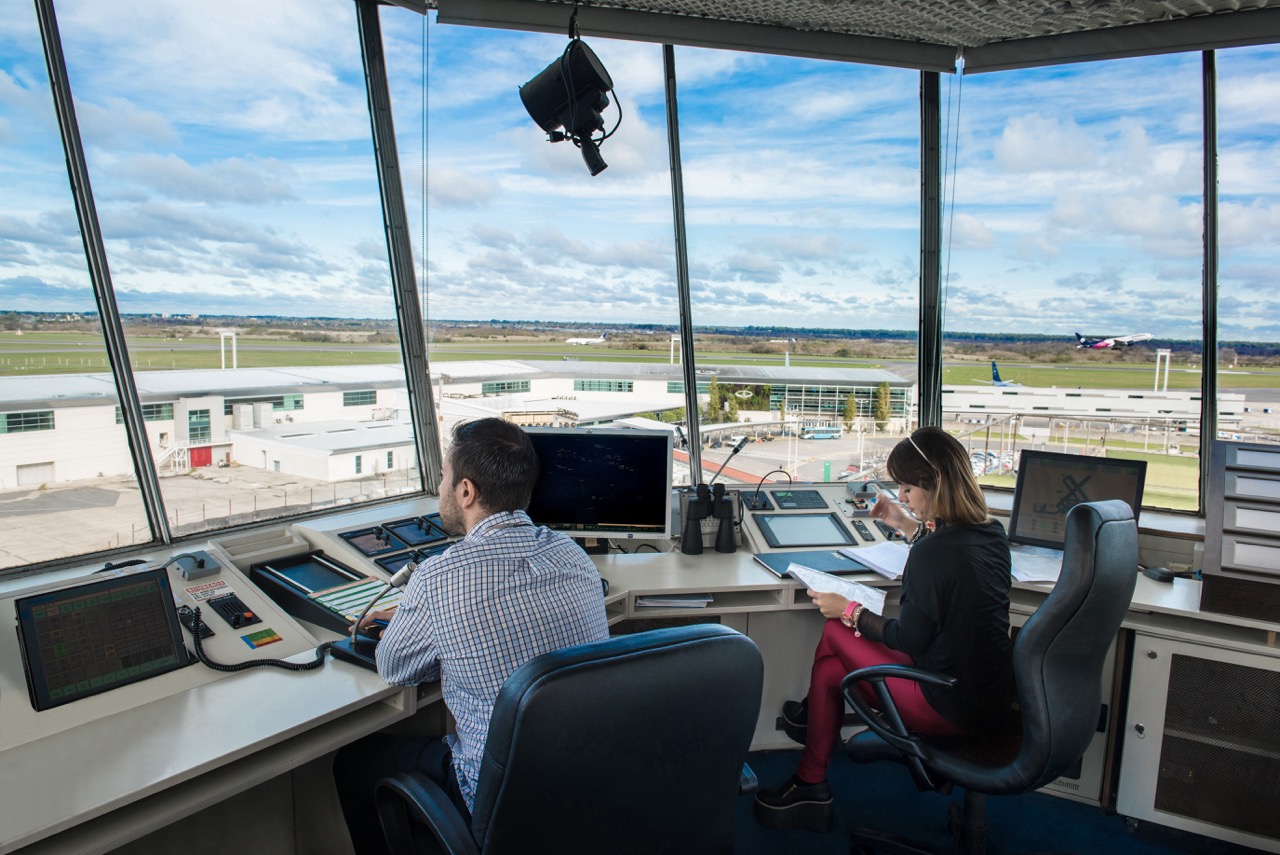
1171 480
82 353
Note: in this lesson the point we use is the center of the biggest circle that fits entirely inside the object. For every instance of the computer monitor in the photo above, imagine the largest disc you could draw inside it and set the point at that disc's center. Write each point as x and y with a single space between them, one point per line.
85 639
1051 483
603 482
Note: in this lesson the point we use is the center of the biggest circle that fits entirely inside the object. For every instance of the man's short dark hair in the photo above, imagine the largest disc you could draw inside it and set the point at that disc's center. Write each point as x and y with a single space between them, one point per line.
498 458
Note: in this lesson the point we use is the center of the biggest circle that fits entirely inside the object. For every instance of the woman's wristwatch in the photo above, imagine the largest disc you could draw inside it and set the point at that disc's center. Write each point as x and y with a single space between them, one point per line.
852 612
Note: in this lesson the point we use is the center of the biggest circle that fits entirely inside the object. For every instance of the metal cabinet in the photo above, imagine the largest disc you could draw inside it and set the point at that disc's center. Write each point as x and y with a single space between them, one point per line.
1202 740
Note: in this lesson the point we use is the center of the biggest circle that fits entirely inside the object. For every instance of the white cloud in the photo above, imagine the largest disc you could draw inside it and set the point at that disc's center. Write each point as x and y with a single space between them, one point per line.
1035 143
969 232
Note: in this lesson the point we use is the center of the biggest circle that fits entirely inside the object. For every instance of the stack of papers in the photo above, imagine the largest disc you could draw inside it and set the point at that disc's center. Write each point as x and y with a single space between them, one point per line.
674 601
825 583
888 558
1036 564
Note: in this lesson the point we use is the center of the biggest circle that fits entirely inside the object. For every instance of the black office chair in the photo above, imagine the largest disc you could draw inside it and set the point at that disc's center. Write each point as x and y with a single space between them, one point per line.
634 744
1057 665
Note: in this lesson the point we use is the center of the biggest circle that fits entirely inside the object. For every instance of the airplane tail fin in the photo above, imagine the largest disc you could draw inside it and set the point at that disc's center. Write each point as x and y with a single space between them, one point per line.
995 372
603 336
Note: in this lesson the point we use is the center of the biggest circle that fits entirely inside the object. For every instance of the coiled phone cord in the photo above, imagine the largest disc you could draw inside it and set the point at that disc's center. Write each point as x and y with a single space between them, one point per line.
197 623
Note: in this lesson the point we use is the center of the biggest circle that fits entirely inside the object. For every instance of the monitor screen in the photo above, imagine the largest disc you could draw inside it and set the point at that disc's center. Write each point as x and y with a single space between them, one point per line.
603 482
794 531
308 573
1050 484
90 638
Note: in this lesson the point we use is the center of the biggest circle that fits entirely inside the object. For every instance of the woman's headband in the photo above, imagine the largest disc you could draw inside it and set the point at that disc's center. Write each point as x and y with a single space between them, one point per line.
922 454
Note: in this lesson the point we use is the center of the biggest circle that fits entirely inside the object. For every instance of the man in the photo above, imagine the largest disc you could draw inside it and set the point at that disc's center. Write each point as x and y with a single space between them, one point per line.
505 593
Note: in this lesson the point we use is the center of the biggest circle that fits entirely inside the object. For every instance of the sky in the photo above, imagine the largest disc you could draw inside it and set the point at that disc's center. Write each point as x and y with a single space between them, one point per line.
230 158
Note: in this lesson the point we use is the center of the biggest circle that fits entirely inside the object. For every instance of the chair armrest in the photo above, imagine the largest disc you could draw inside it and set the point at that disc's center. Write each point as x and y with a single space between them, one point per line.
406 796
899 737
748 783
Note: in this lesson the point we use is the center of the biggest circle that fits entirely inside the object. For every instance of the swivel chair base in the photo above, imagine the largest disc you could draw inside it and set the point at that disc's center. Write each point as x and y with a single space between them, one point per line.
968 827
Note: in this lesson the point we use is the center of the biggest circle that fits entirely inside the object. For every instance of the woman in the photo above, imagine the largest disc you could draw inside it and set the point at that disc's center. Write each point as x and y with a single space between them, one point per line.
954 618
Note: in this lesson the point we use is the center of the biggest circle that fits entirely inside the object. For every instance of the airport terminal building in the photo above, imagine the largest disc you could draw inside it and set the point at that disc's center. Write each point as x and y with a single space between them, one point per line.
350 422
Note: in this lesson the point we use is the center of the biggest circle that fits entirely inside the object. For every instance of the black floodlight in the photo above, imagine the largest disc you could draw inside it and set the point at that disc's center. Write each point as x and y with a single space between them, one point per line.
570 93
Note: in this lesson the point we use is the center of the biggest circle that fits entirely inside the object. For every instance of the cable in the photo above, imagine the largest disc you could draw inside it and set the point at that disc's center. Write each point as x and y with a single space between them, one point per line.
197 624
116 566
755 496
949 201
426 304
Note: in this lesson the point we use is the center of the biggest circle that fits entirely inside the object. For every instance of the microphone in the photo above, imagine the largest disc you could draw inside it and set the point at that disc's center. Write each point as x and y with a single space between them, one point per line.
742 443
684 443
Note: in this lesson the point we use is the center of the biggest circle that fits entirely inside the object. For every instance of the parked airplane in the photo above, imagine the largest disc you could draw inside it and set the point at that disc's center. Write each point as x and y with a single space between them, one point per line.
995 377
599 340
1100 343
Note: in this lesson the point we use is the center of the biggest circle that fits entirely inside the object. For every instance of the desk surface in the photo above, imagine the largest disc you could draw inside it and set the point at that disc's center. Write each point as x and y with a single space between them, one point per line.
1161 607
109 781
75 776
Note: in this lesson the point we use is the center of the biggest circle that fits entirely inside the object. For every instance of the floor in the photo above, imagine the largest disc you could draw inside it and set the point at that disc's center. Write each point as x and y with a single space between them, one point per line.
881 795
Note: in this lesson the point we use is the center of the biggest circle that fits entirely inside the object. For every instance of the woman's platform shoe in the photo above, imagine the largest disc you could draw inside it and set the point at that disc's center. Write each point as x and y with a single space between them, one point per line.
796 805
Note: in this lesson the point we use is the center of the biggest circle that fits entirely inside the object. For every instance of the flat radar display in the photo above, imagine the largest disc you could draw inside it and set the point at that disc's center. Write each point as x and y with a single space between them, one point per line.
1050 484
91 638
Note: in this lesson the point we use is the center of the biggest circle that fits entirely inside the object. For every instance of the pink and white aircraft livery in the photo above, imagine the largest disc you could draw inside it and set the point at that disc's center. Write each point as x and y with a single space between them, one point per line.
1111 341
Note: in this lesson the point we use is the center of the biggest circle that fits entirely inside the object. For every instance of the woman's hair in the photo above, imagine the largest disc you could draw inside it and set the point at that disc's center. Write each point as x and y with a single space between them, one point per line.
934 460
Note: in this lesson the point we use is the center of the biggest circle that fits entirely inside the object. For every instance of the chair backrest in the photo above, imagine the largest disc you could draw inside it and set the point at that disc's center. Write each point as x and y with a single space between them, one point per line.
1058 658
631 744
1059 653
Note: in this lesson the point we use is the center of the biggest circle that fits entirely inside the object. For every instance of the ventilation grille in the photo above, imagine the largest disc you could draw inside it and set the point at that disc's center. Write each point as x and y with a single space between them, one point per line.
1220 756
957 22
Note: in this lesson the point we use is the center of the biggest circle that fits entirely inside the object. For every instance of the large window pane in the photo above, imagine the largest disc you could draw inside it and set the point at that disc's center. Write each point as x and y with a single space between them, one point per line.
1249 255
802 191
231 160
62 452
549 294
1077 210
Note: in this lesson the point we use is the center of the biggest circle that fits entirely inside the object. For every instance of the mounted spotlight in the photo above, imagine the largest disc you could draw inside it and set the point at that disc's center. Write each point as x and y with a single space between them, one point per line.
570 93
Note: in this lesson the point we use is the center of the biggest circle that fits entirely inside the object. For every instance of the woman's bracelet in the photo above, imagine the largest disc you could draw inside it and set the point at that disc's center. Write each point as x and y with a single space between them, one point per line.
857 613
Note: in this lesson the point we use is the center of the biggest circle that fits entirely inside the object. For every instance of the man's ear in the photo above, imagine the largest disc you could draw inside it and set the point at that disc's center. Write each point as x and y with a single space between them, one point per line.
468 495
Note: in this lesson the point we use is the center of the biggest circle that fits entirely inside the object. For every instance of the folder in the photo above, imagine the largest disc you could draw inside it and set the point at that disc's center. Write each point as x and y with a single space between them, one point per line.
815 559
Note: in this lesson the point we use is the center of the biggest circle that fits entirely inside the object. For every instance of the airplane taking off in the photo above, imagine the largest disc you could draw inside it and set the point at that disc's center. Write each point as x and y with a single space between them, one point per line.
995 377
1113 341
599 340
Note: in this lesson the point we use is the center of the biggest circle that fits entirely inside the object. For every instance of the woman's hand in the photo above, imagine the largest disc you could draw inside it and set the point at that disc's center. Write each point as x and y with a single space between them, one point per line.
831 605
894 514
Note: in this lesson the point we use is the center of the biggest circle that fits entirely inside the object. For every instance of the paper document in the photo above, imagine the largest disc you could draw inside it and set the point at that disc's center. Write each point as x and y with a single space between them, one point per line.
674 601
888 559
1033 567
825 583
